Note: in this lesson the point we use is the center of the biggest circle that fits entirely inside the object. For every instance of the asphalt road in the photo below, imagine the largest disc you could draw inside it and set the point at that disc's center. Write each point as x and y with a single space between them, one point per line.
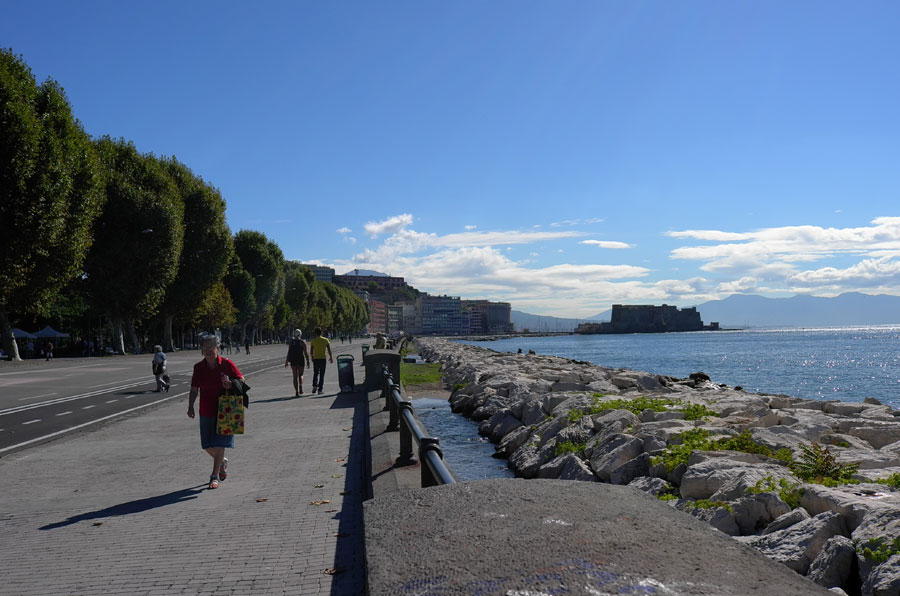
40 400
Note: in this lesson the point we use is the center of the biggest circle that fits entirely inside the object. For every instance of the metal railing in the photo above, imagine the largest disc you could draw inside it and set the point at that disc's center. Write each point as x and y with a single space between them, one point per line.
402 418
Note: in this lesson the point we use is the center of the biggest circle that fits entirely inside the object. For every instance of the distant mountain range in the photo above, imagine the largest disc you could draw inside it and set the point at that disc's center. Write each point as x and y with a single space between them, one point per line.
741 310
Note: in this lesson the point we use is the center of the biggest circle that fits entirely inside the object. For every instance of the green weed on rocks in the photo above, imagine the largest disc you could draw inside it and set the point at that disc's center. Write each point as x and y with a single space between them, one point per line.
817 464
893 481
569 447
698 439
789 492
879 550
707 504
638 405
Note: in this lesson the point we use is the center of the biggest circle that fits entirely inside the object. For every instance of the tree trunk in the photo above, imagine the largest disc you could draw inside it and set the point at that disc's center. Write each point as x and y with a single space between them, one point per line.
133 342
118 338
9 342
168 344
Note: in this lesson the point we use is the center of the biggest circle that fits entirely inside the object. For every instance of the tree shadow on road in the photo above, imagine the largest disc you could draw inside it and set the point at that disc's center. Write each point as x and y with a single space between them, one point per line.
130 507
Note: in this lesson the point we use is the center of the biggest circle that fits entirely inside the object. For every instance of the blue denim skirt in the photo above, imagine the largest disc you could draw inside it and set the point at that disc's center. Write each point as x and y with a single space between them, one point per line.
209 437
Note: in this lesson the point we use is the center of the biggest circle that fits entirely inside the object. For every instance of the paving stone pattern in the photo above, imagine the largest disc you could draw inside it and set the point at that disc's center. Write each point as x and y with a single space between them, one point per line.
124 509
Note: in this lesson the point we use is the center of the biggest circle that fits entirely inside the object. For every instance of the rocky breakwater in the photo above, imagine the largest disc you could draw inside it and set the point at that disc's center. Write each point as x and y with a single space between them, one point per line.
812 484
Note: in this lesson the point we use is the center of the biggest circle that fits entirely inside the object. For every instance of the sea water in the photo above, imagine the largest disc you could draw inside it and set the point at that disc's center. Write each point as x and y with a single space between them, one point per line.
843 363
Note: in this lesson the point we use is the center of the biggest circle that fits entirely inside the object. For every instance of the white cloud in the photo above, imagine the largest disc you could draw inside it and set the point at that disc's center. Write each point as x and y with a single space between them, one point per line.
777 257
606 244
470 227
388 226
576 222
344 230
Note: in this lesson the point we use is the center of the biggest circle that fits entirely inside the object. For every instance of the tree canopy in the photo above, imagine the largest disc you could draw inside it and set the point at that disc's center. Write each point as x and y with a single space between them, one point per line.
50 192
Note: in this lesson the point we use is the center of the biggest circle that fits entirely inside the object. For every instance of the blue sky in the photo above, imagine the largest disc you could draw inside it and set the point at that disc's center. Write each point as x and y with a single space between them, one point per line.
562 156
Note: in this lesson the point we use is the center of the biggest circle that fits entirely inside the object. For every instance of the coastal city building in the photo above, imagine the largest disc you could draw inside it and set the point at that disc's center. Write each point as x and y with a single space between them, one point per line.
322 273
371 283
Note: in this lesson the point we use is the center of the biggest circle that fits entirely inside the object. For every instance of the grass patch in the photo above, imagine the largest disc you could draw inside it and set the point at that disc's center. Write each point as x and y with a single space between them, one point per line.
420 374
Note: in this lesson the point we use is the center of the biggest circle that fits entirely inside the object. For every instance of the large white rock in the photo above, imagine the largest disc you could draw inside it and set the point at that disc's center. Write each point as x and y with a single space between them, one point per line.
703 479
612 452
852 502
833 565
798 545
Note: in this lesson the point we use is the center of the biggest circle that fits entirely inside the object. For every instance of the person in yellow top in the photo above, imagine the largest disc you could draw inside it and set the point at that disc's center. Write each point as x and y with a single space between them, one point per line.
319 347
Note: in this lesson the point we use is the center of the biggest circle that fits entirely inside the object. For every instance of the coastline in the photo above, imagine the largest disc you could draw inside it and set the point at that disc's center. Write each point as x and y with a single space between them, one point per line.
549 417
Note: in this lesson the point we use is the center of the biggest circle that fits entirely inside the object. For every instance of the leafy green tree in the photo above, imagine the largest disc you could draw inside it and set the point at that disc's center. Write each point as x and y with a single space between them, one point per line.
50 193
241 287
206 252
215 308
297 282
264 262
137 238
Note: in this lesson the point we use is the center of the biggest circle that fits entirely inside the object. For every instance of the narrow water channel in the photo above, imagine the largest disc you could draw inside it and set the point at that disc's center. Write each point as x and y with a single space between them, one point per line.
466 452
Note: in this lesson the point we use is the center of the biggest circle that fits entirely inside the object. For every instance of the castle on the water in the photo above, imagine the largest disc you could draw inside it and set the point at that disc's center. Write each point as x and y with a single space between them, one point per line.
645 318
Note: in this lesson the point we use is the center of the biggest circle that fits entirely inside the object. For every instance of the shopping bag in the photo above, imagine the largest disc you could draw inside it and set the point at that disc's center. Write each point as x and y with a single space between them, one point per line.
230 420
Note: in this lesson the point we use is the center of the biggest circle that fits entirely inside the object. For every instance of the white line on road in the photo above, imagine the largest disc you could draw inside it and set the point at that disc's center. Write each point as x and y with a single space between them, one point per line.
112 401
31 421
37 396
64 413
117 414
87 407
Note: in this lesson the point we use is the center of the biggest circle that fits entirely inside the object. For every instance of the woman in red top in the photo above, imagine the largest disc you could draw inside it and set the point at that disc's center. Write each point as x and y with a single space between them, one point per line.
211 375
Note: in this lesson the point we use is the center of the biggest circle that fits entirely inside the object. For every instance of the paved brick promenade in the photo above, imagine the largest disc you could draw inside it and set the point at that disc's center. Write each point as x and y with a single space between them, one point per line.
125 509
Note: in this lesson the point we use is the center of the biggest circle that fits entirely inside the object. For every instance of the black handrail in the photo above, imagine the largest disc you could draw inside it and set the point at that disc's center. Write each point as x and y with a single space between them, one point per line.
434 470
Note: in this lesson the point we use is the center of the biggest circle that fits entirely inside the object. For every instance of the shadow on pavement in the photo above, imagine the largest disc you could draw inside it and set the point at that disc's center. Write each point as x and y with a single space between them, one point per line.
349 557
130 507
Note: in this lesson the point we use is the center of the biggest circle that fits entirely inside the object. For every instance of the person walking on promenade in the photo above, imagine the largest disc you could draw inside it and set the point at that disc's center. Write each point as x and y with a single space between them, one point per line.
159 369
297 356
319 346
246 344
211 375
48 350
380 343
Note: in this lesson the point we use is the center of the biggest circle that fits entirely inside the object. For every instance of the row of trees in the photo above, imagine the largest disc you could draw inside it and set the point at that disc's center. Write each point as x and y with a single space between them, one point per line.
93 226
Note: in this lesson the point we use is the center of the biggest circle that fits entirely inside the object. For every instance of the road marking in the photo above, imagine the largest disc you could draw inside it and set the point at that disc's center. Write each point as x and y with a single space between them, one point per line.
64 413
37 396
87 407
31 422
112 401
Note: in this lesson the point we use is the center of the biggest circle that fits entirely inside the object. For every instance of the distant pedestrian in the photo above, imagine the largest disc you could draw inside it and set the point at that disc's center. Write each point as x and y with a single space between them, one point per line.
297 357
159 370
226 343
246 344
210 376
380 342
48 351
319 347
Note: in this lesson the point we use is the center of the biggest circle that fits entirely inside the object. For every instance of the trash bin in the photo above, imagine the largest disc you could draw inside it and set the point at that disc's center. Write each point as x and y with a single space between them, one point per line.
365 348
345 372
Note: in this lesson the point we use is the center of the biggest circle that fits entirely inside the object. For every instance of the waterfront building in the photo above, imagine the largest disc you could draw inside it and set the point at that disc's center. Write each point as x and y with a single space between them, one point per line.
488 317
322 273
372 283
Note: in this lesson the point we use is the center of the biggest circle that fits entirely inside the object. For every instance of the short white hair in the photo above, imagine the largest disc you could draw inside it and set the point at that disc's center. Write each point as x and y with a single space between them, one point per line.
297 333
209 339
